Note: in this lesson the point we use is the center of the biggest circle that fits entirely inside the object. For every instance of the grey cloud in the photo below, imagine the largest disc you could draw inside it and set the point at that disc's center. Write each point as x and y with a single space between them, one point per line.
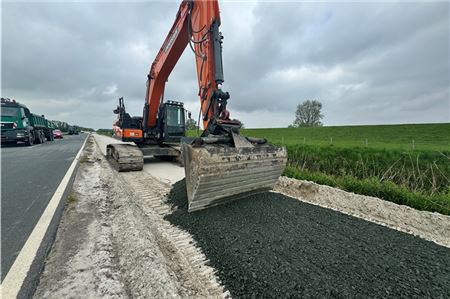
367 63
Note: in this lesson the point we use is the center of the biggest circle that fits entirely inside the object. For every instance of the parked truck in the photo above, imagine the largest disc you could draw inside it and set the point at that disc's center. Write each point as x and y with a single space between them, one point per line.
18 124
73 130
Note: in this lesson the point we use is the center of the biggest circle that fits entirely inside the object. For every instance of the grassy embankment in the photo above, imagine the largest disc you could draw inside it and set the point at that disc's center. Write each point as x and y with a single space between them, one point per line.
405 164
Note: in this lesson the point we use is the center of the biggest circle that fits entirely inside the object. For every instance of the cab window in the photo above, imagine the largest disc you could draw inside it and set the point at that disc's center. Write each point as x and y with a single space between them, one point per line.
9 111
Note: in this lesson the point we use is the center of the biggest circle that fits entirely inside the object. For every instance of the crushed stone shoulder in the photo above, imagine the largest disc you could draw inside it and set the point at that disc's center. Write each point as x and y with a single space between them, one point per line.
430 226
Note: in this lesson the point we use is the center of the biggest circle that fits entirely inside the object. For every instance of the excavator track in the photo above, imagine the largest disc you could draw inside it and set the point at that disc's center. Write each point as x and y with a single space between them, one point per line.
125 157
217 174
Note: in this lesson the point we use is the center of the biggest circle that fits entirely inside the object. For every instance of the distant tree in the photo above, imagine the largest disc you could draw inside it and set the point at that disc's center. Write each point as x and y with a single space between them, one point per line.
308 114
85 129
191 124
61 125
107 132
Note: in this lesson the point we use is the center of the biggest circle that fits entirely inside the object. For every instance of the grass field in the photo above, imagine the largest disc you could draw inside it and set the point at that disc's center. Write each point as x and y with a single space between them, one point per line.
405 164
424 136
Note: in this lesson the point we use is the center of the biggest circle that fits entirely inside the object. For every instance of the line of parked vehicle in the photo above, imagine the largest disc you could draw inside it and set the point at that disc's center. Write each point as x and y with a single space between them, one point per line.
18 124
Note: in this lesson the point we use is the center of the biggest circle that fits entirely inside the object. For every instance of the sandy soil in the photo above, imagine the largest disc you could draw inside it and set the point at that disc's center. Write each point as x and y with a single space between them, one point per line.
109 246
82 260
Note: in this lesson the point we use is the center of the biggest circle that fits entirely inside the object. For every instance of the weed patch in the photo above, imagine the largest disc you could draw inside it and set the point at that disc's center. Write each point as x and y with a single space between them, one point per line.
83 159
72 198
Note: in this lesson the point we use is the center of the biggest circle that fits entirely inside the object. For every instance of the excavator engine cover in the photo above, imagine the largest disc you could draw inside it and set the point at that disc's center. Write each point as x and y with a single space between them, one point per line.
125 157
217 174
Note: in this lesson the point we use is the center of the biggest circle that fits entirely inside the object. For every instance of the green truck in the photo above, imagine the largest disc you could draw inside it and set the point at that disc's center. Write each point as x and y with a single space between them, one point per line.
18 124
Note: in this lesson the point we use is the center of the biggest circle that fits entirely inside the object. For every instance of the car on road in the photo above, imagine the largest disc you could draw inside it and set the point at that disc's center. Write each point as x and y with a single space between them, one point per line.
57 134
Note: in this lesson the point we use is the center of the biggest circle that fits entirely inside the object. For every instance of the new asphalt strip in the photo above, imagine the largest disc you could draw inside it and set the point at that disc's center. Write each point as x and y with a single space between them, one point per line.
271 245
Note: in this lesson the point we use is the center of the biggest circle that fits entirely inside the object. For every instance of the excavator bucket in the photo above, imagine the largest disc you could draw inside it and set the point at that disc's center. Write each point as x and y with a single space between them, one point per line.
125 156
217 174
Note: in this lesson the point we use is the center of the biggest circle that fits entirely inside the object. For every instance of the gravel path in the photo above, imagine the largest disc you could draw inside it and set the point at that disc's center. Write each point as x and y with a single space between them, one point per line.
271 245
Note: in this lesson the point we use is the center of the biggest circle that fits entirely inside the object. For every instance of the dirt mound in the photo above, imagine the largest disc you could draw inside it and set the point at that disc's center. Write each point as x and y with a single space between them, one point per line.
271 245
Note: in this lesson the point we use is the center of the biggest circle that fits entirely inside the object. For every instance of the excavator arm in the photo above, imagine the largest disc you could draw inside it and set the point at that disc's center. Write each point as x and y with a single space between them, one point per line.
197 25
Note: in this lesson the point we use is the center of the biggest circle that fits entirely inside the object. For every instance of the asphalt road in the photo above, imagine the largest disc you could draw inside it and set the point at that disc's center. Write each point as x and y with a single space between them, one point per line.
30 176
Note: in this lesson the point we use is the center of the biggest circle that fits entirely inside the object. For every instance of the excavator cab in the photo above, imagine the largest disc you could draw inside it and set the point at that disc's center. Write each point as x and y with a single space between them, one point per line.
172 121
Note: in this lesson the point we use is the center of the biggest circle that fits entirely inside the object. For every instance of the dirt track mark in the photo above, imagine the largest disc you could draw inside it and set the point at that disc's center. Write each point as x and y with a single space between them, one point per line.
184 259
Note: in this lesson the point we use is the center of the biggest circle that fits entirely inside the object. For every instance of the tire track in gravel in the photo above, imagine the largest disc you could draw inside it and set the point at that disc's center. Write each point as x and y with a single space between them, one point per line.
271 245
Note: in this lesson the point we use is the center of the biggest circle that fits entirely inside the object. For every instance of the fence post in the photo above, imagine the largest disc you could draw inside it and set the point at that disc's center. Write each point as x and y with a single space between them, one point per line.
413 145
282 140
367 142
304 140
331 140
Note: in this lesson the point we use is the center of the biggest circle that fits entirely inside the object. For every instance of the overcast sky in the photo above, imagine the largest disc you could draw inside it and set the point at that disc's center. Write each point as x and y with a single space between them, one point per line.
375 63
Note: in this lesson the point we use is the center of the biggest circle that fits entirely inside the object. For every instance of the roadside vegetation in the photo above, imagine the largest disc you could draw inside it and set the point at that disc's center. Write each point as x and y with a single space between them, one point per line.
419 179
72 198
106 132
405 164
64 127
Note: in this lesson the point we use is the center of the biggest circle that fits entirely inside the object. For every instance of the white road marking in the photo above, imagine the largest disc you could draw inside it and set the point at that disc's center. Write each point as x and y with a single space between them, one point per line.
32 146
14 279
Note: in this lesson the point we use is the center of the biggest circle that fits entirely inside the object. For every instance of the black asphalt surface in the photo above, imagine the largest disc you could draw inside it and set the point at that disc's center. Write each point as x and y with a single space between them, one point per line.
274 246
29 178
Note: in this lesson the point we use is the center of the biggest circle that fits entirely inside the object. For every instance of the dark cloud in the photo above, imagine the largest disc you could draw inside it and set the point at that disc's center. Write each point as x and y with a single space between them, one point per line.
367 63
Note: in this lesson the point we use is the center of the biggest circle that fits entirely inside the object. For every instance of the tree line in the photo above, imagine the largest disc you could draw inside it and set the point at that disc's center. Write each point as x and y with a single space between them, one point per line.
64 126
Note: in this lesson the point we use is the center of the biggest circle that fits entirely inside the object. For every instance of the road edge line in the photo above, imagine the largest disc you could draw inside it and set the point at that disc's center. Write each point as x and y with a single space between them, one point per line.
13 281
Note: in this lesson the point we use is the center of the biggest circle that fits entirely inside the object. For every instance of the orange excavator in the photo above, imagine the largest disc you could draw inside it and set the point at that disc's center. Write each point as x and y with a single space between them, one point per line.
221 164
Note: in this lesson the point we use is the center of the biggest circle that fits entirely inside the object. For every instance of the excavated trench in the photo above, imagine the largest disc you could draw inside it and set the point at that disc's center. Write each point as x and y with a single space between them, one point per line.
271 245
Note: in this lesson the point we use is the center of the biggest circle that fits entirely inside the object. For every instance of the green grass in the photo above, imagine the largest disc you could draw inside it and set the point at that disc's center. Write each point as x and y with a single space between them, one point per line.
385 189
435 137
419 179
425 171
